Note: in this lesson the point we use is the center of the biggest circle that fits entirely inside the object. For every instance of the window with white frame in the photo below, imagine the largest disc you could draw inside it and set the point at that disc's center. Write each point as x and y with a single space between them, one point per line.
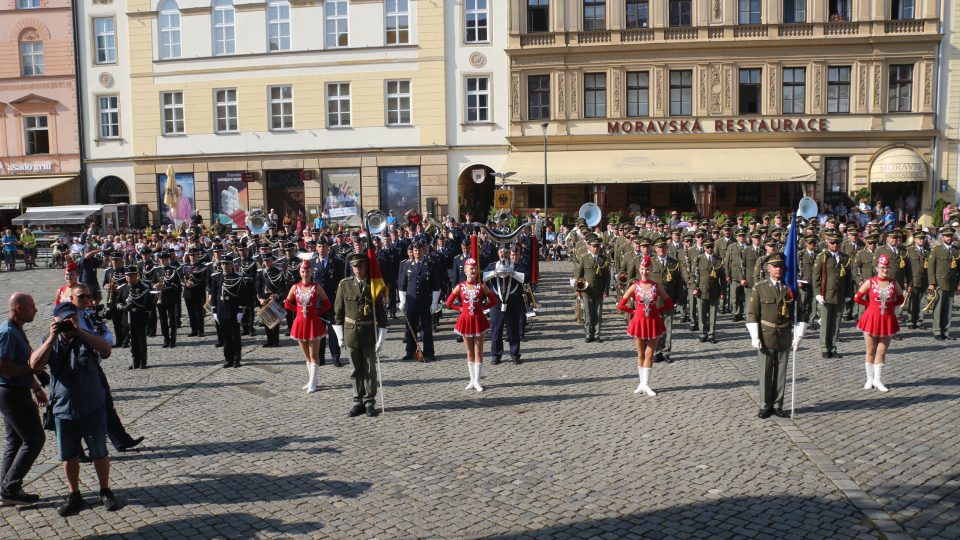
478 99
338 105
28 4
225 110
397 21
638 93
108 113
281 107
398 103
168 24
37 135
224 28
278 26
336 27
476 14
794 90
105 40
31 58
172 104
594 95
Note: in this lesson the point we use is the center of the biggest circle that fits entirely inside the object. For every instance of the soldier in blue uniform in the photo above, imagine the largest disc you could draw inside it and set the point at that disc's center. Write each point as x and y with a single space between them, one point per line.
509 312
419 286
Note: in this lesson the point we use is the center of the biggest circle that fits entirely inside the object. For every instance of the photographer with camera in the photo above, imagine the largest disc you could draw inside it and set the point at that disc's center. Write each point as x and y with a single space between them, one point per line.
79 398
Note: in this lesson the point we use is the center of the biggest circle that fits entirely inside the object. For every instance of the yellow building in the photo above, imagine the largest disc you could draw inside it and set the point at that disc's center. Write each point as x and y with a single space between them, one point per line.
949 107
722 104
288 104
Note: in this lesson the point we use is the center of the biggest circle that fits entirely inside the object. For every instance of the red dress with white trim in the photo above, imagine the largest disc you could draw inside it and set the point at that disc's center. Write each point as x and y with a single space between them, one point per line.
646 322
307 305
881 299
472 322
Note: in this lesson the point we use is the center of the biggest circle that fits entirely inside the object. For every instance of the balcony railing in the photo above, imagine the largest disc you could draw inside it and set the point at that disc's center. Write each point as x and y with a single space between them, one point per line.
596 36
637 35
841 29
903 27
678 34
537 40
750 31
796 30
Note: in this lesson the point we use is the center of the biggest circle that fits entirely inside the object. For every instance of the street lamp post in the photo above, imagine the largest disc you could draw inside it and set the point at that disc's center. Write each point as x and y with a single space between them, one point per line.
544 126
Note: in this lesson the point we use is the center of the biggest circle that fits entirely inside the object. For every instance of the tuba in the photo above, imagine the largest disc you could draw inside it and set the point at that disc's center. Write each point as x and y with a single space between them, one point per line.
580 285
376 221
590 213
257 222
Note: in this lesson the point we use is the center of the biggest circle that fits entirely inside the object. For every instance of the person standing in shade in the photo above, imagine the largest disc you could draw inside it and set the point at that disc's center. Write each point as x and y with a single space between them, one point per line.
135 300
770 323
831 281
880 296
194 277
419 289
594 269
805 264
360 324
168 300
917 278
944 276
665 272
328 270
708 277
270 287
113 279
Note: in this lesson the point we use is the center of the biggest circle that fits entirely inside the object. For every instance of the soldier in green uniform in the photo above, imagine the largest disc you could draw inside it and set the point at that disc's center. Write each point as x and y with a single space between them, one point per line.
863 269
692 254
944 275
685 262
665 272
770 323
918 254
720 246
805 262
736 270
361 325
831 283
760 267
708 280
594 268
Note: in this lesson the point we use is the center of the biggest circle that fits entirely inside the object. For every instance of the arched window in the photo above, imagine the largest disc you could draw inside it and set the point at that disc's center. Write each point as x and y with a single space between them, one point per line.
168 27
31 53
112 190
224 27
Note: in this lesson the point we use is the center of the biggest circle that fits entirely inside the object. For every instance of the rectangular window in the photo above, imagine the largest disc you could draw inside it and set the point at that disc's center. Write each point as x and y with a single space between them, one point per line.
902 9
476 15
398 103
538 15
172 103
748 194
478 99
680 13
749 12
225 109
681 93
594 14
278 26
794 11
335 19
594 95
397 22
224 30
835 174
37 136
794 90
108 112
750 91
31 58
901 88
538 97
105 40
338 105
281 107
638 93
839 10
838 89
28 4
638 13
169 26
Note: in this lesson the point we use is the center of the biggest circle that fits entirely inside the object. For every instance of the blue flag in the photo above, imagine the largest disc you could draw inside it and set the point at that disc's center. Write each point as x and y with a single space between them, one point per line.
790 257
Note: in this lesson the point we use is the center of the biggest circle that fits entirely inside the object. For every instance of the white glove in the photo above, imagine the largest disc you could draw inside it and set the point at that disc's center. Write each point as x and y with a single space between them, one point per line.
216 319
239 316
754 329
820 299
403 300
435 301
338 330
381 337
798 332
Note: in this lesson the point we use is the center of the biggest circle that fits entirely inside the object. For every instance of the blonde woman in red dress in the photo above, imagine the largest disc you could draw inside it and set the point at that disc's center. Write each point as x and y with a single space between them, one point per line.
881 295
308 301
646 326
71 273
472 324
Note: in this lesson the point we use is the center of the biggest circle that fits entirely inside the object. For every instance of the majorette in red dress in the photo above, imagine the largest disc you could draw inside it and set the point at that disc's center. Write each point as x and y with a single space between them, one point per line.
646 322
307 325
471 322
881 299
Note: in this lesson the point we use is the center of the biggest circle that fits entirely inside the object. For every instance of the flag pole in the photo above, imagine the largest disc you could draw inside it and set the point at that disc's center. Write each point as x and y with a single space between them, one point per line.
376 352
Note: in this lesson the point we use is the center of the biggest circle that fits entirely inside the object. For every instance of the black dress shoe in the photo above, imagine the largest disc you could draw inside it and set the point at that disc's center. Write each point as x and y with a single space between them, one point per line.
407 358
668 359
18 497
764 413
588 340
131 367
192 334
108 500
837 355
357 410
714 340
219 345
72 505
371 410
913 326
227 364
236 364
201 334
517 361
694 328
323 361
781 413
949 338
939 338
84 458
459 339
496 361
165 345
133 444
825 355
703 339
658 358
597 339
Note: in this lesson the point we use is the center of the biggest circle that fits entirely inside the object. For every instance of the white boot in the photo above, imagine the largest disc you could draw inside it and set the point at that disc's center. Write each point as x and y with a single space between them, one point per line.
470 369
877 383
311 370
646 382
869 384
476 376
639 386
312 383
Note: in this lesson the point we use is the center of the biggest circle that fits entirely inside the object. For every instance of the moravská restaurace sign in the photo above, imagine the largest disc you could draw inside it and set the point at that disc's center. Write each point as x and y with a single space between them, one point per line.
719 125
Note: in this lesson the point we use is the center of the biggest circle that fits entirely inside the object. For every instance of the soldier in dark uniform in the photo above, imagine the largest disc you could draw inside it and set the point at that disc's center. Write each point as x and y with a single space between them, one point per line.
328 270
419 287
831 282
455 271
194 278
270 286
594 268
943 275
291 268
666 273
168 283
227 291
917 282
249 271
509 311
708 280
113 278
805 268
386 258
360 324
135 300
147 267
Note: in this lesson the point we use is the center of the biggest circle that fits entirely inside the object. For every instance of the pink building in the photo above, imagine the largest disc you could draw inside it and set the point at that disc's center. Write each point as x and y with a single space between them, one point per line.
39 139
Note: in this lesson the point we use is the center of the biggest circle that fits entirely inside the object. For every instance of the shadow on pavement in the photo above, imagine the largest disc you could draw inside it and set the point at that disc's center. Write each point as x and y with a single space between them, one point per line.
269 444
483 402
888 402
232 525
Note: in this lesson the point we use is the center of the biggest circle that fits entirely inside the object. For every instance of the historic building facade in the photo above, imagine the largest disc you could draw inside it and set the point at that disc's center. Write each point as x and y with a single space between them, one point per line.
722 104
39 148
949 107
338 107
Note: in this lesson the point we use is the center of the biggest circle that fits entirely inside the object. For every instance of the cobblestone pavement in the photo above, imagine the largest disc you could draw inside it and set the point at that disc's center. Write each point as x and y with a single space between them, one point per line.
556 447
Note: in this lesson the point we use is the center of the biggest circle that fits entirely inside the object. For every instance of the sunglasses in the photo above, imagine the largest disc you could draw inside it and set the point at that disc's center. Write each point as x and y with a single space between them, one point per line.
83 296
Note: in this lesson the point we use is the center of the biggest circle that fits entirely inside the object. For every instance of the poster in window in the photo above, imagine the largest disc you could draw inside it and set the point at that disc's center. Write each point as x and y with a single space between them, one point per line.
230 198
341 196
399 189
183 199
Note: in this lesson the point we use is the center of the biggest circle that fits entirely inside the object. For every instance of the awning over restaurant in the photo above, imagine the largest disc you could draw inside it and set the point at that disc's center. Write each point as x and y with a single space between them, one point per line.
14 190
898 165
57 215
671 166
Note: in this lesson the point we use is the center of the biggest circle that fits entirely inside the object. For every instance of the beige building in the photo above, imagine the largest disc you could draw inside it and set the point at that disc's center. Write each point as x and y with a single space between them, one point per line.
722 104
949 107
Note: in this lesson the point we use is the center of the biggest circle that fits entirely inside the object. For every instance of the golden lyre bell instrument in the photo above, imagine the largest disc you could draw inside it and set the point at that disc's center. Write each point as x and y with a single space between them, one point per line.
271 314
903 262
